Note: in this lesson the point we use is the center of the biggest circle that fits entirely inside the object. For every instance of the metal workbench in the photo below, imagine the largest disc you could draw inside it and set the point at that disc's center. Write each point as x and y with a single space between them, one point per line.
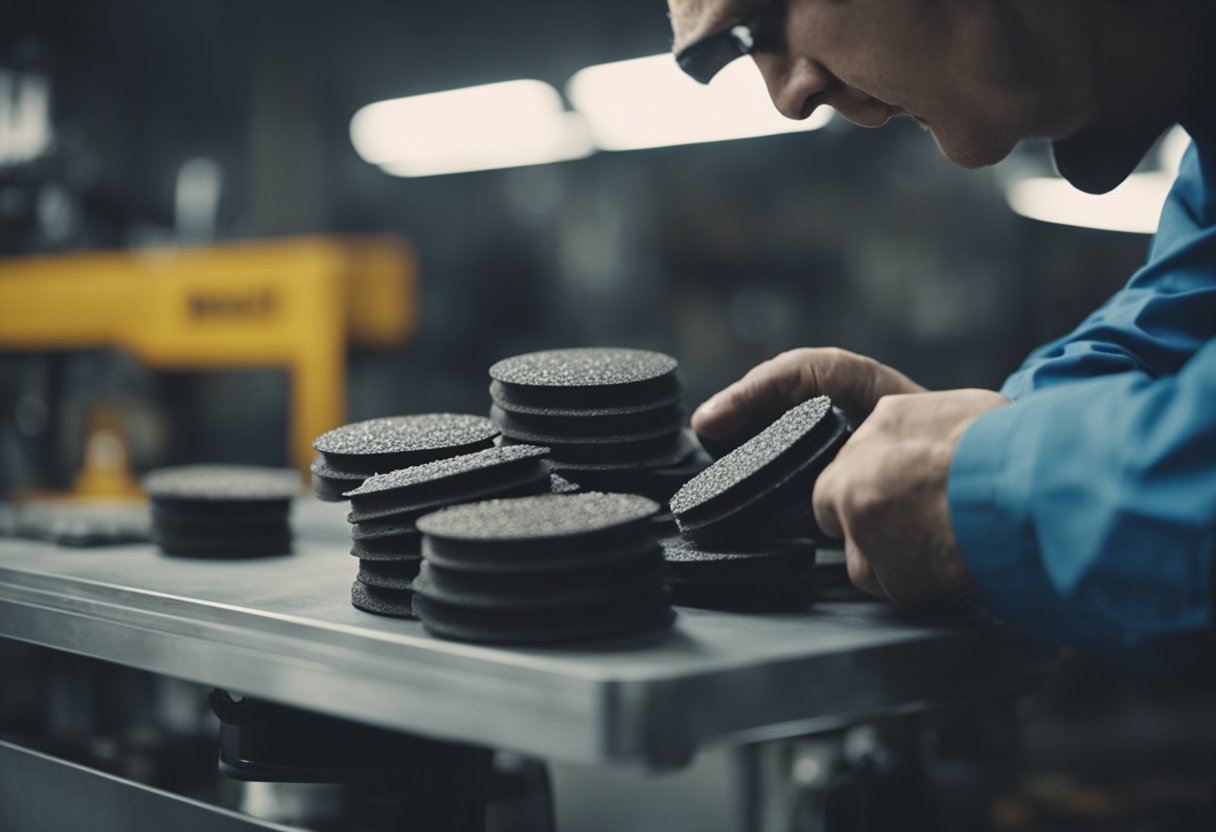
283 629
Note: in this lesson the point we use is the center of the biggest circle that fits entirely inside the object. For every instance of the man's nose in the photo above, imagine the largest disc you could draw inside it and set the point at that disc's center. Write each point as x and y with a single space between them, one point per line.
795 85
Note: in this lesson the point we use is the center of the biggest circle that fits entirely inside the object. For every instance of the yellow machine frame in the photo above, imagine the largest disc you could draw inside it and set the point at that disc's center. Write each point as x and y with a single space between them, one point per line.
292 302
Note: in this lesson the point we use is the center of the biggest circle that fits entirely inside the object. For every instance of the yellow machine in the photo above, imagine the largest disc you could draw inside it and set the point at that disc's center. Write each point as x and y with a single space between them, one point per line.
292 303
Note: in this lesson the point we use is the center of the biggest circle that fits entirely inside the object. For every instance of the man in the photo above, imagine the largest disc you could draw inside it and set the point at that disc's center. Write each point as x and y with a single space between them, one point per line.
1080 501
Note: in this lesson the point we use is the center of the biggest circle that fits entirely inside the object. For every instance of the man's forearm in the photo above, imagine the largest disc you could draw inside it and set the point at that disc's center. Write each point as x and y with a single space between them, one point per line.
1087 513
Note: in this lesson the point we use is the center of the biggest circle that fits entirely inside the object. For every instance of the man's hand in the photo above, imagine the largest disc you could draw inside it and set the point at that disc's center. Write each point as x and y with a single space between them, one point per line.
885 495
854 382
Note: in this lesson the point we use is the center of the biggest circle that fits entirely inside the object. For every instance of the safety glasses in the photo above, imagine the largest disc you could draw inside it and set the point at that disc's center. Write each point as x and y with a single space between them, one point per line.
705 58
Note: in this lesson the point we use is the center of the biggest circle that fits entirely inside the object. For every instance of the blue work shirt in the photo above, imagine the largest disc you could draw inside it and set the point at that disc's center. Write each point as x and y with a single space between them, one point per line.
1086 510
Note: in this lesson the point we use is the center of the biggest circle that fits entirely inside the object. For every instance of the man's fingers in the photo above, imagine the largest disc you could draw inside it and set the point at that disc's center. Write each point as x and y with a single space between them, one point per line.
825 502
768 390
830 514
762 394
860 572
854 382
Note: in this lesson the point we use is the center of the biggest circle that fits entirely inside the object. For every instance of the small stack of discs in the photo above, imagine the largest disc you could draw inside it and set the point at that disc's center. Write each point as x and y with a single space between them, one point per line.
222 511
771 576
385 507
542 570
611 416
352 453
734 515
763 488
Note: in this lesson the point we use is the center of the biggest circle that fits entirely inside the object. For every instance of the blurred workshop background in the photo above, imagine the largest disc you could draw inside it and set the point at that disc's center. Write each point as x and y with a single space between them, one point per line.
599 201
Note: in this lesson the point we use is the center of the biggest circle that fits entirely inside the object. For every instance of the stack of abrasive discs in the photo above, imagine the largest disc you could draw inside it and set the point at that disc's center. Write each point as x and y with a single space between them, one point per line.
222 511
734 515
385 507
352 453
770 576
540 570
612 417
763 488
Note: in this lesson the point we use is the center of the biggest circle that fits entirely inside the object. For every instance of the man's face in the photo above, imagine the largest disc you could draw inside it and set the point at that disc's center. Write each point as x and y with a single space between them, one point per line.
980 75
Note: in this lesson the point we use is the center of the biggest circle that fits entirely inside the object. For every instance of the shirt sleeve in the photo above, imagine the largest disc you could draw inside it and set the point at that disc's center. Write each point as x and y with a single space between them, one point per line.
1086 510
1164 314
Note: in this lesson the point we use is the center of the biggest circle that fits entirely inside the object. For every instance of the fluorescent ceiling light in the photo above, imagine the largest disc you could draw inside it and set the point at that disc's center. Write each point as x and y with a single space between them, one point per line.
1135 206
25 117
476 128
1172 148
649 102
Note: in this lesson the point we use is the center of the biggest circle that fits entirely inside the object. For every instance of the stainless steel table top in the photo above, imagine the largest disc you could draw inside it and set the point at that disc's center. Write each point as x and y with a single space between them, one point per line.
283 629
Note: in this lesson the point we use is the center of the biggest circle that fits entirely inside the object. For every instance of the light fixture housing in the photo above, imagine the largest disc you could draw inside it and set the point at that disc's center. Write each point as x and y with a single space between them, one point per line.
501 125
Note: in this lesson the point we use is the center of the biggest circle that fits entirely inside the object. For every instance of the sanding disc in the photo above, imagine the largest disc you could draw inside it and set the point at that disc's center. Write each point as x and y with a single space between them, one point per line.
223 547
553 626
426 477
659 484
538 533
273 518
387 528
606 470
452 479
773 575
643 450
589 427
545 517
330 485
221 494
501 394
607 547
569 588
397 603
331 491
384 529
522 484
764 486
222 483
768 560
389 574
404 547
386 444
584 378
